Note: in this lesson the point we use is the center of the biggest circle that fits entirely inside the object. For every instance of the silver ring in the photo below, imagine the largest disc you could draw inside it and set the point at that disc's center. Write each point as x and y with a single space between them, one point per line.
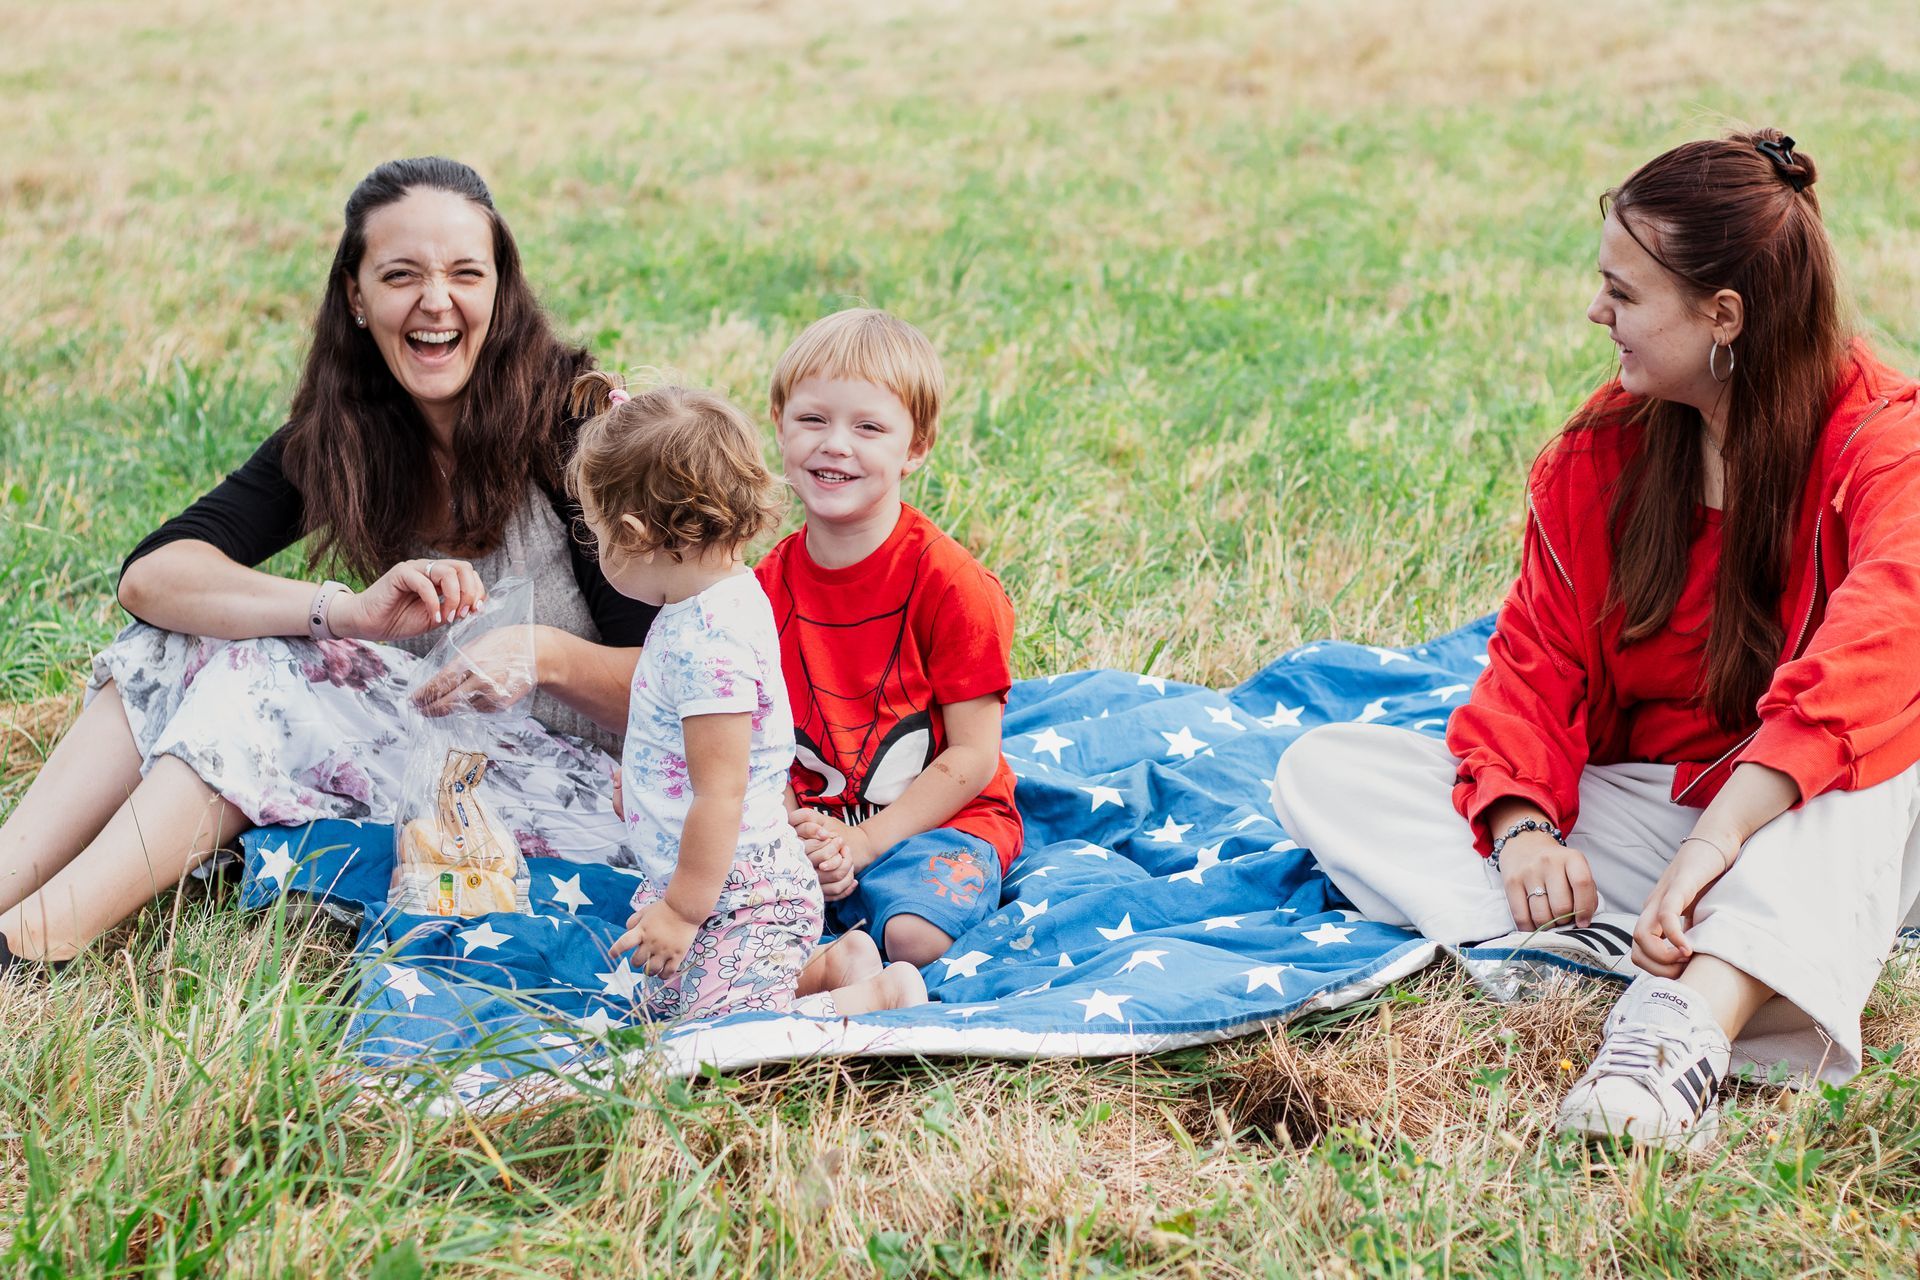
1536 893
429 567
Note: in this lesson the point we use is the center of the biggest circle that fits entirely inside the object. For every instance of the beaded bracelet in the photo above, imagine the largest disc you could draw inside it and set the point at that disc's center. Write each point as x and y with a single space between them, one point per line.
1525 824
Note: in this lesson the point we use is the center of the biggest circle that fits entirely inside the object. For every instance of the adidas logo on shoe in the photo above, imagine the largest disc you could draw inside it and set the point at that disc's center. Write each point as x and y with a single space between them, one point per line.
1657 1076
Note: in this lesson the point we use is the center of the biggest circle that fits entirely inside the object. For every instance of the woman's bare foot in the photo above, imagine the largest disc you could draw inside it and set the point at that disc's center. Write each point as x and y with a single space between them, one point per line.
898 986
850 958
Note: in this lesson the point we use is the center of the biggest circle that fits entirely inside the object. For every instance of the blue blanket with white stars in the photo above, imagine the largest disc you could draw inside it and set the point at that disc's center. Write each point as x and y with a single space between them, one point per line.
1157 902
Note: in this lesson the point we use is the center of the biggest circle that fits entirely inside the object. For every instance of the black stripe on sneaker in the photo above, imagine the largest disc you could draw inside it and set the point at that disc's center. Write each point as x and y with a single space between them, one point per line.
1600 942
1625 935
1684 1086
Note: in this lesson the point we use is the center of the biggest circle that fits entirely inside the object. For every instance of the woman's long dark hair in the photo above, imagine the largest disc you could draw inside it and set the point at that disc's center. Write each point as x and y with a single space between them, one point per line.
1718 215
357 448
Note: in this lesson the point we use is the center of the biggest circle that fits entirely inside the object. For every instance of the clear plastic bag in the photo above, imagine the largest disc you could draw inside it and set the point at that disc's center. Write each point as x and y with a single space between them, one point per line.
452 854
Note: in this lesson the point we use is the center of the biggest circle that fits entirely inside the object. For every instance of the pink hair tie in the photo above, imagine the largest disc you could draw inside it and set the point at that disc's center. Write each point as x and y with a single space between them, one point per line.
617 396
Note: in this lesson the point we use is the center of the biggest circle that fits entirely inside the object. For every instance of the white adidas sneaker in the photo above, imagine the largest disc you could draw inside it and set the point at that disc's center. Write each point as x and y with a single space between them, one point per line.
1656 1079
1605 943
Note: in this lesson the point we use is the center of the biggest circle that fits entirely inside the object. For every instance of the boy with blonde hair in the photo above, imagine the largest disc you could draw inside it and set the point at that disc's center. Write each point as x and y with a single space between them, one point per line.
896 645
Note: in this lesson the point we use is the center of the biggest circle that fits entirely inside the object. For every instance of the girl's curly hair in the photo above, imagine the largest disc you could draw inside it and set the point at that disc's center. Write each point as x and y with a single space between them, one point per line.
685 464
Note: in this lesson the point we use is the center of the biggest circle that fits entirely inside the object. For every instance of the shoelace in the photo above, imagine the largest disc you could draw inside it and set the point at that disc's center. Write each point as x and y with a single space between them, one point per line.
1635 1051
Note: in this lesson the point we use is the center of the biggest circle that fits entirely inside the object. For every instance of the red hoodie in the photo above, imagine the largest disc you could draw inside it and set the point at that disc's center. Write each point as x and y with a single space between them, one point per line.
1843 711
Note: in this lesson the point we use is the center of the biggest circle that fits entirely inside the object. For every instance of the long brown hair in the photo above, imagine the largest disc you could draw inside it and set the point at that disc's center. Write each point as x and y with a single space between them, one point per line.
1724 214
357 448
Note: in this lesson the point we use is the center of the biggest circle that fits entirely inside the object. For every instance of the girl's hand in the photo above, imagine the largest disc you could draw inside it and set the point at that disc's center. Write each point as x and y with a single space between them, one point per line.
1534 861
491 674
619 796
659 938
410 599
1660 943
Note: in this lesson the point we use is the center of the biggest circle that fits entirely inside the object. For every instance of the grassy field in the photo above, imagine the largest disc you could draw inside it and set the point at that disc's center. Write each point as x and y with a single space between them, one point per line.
1254 316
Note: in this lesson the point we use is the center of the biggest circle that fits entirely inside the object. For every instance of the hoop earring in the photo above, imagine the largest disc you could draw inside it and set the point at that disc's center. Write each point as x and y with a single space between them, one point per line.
1713 354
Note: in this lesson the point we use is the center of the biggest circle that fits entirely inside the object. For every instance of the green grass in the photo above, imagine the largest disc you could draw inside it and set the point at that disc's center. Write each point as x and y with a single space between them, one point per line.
1253 316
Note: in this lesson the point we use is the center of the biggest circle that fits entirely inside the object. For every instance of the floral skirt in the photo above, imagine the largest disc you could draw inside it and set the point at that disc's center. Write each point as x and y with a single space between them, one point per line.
288 731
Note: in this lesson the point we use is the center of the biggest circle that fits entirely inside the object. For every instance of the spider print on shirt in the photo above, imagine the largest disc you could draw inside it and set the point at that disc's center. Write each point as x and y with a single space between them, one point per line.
882 735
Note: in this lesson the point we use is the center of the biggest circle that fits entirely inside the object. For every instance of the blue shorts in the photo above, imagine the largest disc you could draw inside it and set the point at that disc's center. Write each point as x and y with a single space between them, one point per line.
948 878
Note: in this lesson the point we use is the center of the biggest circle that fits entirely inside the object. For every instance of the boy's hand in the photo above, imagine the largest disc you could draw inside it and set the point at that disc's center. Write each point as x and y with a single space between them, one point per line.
838 850
659 938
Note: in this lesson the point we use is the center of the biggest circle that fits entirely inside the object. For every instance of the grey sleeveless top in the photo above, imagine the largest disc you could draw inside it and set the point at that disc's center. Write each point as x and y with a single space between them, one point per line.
534 546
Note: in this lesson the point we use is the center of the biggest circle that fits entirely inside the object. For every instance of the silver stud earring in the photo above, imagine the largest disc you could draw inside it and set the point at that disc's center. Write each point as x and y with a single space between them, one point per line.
361 321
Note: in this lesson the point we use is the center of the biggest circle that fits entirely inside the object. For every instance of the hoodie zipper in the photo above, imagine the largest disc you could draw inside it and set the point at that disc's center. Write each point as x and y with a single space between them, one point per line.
1813 599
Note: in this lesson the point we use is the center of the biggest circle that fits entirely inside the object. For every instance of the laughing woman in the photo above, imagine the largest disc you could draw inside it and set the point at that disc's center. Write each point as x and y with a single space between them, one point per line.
1702 704
424 453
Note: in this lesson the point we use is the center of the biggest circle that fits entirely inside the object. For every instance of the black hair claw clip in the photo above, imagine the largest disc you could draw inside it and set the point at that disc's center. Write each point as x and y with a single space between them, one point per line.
1781 153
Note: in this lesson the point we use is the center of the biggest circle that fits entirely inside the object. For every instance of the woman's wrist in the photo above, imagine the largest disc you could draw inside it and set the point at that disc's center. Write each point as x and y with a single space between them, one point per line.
551 657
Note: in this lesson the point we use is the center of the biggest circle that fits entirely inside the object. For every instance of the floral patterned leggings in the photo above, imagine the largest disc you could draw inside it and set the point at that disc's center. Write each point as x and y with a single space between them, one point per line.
749 954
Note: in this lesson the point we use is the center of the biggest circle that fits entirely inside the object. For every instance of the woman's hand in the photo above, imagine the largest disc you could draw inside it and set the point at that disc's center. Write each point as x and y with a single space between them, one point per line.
411 598
491 674
1546 882
1660 943
659 938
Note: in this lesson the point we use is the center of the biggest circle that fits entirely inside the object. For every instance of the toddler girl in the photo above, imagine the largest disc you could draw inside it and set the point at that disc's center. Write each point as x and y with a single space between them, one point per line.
672 487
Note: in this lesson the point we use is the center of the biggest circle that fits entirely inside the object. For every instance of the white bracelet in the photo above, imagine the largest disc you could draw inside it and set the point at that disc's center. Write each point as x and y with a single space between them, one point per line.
317 611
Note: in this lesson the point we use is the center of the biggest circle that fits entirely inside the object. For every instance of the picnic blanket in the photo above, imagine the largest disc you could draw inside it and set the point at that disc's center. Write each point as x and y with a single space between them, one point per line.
1157 903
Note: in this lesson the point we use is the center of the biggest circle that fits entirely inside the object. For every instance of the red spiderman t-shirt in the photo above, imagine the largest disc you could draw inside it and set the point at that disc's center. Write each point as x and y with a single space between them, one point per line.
871 654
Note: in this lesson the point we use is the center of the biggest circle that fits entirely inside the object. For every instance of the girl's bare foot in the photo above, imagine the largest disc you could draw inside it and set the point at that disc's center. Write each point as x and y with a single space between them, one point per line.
850 958
898 986
903 985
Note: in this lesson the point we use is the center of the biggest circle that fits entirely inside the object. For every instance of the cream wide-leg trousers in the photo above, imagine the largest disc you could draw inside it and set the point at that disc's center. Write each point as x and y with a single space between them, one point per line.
1811 907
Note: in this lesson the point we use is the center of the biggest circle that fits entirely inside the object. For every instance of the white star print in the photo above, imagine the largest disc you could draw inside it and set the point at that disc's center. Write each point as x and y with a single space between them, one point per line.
1028 912
1183 743
1481 658
621 981
1034 991
1092 851
1169 832
1307 652
473 1080
1222 922
967 966
1035 874
554 1040
1144 957
598 1023
1157 683
1446 691
1102 1005
1375 709
482 935
1386 655
1327 934
276 863
1206 860
1104 795
1122 930
1050 742
1249 820
1266 975
1066 961
407 982
1224 715
1284 716
1428 724
568 891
